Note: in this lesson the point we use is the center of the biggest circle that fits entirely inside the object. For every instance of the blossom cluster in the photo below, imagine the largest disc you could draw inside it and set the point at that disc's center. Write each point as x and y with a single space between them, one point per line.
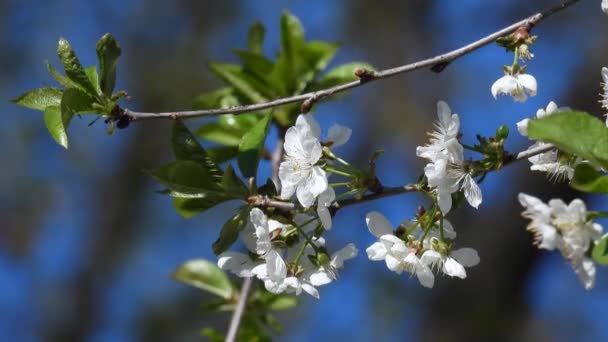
285 264
447 171
566 228
420 250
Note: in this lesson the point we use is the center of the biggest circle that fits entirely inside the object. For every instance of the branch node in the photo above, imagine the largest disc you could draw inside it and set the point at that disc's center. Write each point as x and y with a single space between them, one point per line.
365 75
308 103
439 67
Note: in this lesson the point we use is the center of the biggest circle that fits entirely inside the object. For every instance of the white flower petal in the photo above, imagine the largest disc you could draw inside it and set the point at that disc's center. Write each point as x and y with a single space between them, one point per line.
394 264
528 82
326 198
376 251
347 252
522 127
307 124
314 184
472 192
467 257
378 224
586 273
320 278
504 85
425 277
311 290
452 268
237 263
339 135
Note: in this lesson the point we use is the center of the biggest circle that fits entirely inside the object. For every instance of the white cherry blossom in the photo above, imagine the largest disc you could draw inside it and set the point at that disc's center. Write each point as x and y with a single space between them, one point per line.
397 256
604 94
605 6
299 173
444 141
557 225
519 86
452 264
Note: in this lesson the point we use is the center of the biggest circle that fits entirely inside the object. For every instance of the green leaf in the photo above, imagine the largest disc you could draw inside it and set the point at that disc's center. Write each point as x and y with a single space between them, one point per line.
220 134
230 231
213 335
600 251
233 184
39 98
268 189
341 74
93 77
251 147
73 69
205 275
220 98
292 38
258 65
185 147
190 207
108 52
573 132
587 178
75 101
282 302
255 38
221 154
60 78
186 178
55 125
234 76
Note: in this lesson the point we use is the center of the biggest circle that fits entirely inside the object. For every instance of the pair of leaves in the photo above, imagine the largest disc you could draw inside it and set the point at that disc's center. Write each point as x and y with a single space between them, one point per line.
84 91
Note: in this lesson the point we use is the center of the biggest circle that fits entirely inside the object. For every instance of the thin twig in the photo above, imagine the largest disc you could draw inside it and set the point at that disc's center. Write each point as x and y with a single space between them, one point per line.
276 158
264 201
438 62
237 316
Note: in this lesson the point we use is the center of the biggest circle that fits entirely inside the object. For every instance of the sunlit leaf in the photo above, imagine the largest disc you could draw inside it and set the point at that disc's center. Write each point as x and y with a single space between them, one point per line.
577 133
205 275
75 101
93 77
234 76
54 123
72 67
39 99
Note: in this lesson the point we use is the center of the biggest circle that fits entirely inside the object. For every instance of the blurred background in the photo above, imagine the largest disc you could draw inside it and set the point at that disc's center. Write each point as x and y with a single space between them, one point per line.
87 246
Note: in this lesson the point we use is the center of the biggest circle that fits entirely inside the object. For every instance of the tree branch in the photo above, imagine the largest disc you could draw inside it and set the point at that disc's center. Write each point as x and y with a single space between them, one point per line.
264 201
436 63
235 321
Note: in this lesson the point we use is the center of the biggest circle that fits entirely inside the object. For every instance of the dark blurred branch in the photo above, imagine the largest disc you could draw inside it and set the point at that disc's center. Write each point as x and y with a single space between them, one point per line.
437 64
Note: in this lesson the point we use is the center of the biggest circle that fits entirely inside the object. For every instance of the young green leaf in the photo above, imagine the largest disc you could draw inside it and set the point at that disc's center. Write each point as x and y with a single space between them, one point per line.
577 133
93 77
60 78
75 101
282 302
185 147
292 38
258 65
587 178
250 148
39 98
54 123
73 69
255 38
207 276
244 84
108 52
230 231
600 251
233 184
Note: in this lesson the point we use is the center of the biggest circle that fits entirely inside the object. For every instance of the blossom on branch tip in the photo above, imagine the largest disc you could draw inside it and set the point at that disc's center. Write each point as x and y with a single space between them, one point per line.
444 140
519 86
451 264
299 173
557 225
